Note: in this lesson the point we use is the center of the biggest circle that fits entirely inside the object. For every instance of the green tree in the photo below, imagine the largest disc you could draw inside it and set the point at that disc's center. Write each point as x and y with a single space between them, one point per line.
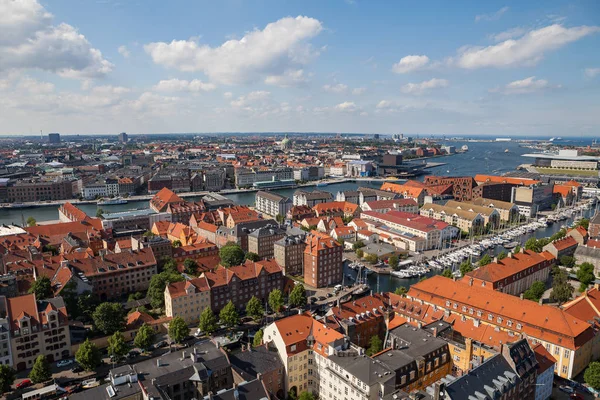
393 262
258 338
255 309
358 245
359 253
501 256
517 249
465 267
86 304
42 287
371 258
144 337
342 242
132 297
88 356
178 329
561 288
567 261
117 347
276 300
375 345
485 260
99 213
533 244
400 291
7 378
109 318
280 218
592 375
252 256
584 223
447 273
176 243
306 396
298 296
229 315
585 275
31 221
148 234
158 283
191 266
41 370
169 265
535 291
208 321
231 254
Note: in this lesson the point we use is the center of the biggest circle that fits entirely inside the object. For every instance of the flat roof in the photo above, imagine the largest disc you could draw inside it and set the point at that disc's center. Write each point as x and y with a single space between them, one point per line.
129 214
554 156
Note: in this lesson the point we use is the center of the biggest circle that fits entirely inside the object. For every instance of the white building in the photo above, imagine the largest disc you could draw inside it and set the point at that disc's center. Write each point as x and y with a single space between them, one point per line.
272 204
93 190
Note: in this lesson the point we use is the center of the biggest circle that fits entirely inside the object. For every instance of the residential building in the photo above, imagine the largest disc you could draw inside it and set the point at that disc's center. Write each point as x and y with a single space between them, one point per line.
361 168
6 357
493 191
508 212
384 206
272 204
38 190
252 390
590 254
462 186
532 199
311 199
289 253
263 363
515 273
261 241
343 233
165 197
123 137
580 234
408 192
594 226
465 220
562 247
311 173
94 190
491 216
187 299
213 179
161 247
482 178
360 319
298 213
248 177
337 209
37 328
545 372
323 264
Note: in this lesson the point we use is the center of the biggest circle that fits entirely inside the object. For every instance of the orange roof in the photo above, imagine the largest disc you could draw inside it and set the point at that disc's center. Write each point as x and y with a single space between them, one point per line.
318 241
544 358
74 213
178 289
504 179
585 307
297 328
563 190
406 190
509 266
163 198
351 308
564 243
335 206
572 183
138 318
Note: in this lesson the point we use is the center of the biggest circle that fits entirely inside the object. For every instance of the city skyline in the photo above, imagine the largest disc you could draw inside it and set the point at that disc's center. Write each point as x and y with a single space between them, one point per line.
499 68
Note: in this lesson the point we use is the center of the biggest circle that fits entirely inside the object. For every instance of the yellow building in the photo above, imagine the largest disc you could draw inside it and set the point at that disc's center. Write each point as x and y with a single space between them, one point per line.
187 299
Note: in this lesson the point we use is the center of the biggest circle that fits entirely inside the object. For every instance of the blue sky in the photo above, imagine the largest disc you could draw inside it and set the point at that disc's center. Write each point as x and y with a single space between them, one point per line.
437 67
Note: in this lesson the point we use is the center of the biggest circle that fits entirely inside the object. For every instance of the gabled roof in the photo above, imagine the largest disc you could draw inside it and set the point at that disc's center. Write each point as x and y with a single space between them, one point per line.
163 198
509 266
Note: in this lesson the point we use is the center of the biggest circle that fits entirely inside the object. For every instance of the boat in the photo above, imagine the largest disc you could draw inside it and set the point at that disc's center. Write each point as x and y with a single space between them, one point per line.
90 383
506 151
511 245
361 289
322 184
111 202
20 205
465 148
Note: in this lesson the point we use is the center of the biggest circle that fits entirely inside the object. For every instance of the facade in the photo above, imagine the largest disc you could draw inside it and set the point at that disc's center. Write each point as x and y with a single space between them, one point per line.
248 177
261 362
360 168
562 247
465 220
360 319
54 138
545 373
187 299
493 191
323 264
337 209
35 190
384 206
261 241
508 212
462 186
532 199
161 247
407 191
289 253
594 227
310 199
272 204
513 274
131 220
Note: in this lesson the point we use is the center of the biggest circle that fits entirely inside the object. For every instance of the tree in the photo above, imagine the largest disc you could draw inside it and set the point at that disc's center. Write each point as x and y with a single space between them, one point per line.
229 315
400 291
585 275
86 304
371 258
342 242
298 296
41 370
501 256
280 218
567 261
517 249
99 213
148 234
592 375
533 244
178 329
258 338
176 243
252 256
375 345
584 223
7 377
276 300
561 288
358 245
109 318
158 283
42 287
144 337
466 267
88 356
31 221
117 347
191 266
169 265
447 273
306 396
132 297
360 253
255 309
208 321
231 254
393 261
535 291
485 260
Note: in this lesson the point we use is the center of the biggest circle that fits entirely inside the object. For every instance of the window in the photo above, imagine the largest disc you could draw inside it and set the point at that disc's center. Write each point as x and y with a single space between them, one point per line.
566 353
564 369
519 326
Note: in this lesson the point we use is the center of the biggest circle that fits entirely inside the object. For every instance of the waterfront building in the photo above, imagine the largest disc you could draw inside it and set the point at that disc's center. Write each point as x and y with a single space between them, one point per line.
561 163
32 190
465 220
245 177
493 191
360 168
309 173
289 253
187 299
272 204
261 241
384 206
350 196
562 247
311 199
513 274
462 186
323 264
508 212
490 215
570 192
482 178
407 191
165 197
533 198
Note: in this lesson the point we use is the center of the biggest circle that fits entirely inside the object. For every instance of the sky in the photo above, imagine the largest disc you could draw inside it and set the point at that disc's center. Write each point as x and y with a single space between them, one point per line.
348 66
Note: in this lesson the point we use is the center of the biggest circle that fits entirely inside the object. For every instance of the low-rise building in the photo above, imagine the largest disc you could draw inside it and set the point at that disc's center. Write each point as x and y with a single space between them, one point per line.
508 212
384 206
465 220
311 199
187 299
562 247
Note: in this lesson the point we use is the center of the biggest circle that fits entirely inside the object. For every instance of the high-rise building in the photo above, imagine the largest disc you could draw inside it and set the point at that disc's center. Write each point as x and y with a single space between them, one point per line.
322 261
54 138
123 137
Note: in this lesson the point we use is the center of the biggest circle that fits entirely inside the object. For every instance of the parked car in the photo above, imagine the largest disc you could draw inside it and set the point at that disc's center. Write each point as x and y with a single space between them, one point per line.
160 344
77 369
23 384
566 389
321 298
133 354
64 363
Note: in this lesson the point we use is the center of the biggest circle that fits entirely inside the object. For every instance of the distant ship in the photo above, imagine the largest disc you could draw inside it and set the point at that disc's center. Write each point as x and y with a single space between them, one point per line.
554 138
112 202
465 148
322 184
506 151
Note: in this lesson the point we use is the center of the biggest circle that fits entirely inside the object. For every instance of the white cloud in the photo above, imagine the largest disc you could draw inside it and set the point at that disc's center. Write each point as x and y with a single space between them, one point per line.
347 106
527 50
280 46
228 95
422 87
34 86
409 64
181 85
290 78
592 72
523 86
108 89
124 51
509 34
492 16
337 88
359 90
30 41
257 96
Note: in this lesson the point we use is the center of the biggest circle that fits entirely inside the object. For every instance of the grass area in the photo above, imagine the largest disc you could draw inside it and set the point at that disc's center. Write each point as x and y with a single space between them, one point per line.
559 171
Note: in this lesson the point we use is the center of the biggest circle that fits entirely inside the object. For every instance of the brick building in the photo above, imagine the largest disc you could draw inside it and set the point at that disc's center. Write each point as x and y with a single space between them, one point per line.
462 186
323 264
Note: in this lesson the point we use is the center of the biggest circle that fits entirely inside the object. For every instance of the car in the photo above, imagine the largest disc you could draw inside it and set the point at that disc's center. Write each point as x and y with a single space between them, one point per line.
321 298
64 363
133 354
329 294
77 369
198 333
566 389
23 384
160 344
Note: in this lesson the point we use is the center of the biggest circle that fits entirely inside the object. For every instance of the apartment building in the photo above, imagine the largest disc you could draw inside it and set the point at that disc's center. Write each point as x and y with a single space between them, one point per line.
311 199
493 191
337 209
37 190
465 220
415 193
462 186
289 253
272 204
569 339
490 215
260 362
261 241
513 274
360 319
323 264
161 247
38 328
562 247
187 299
508 212
5 323
384 206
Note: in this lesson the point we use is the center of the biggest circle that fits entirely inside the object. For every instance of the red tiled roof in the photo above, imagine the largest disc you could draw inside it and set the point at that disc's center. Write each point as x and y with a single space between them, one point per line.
564 243
544 358
509 266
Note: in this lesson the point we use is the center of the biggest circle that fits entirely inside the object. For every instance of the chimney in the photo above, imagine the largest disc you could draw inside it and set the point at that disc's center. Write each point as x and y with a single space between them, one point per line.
495 260
437 390
471 282
510 254
521 296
